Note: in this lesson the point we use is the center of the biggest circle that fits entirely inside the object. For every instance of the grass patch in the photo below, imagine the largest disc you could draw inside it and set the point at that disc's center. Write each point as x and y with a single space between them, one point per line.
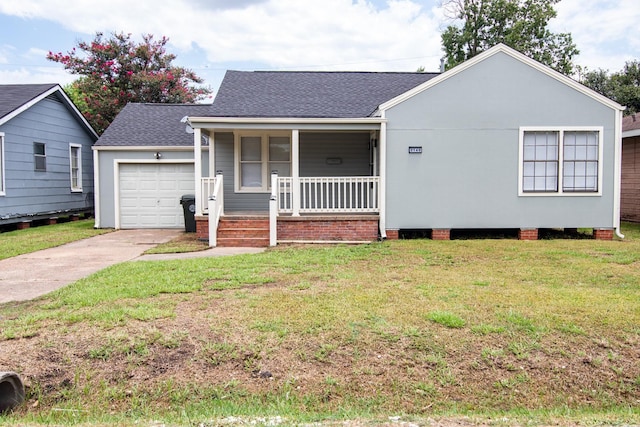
530 334
185 242
446 318
19 242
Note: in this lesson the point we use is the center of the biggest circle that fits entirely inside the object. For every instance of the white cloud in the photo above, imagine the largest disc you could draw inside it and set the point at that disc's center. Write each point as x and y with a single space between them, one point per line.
374 35
328 34
605 31
35 75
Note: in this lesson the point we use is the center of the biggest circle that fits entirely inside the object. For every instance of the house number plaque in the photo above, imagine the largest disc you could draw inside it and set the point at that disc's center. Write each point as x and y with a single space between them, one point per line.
415 150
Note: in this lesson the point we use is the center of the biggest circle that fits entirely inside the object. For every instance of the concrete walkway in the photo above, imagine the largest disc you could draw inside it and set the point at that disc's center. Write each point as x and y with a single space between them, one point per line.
31 275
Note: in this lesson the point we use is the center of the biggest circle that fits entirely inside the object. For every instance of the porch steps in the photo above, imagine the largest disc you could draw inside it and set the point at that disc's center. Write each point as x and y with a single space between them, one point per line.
243 231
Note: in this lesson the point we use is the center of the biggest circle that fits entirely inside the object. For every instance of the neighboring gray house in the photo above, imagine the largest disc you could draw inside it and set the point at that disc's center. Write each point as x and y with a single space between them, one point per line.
500 141
46 164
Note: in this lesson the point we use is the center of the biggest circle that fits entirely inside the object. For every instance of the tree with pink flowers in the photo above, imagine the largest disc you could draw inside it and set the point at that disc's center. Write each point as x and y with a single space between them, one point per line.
116 70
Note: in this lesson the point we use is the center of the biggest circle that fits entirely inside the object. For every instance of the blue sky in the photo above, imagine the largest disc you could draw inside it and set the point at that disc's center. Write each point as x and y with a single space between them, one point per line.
211 36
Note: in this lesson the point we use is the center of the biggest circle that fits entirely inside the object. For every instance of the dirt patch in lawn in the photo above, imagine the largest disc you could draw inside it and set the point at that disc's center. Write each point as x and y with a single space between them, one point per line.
212 351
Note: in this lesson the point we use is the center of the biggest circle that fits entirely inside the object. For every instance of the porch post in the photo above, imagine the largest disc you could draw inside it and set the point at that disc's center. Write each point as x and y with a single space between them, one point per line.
212 154
197 166
295 171
382 144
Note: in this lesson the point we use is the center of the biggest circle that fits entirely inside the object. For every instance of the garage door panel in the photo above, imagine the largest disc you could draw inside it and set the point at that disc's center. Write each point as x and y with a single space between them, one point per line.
150 194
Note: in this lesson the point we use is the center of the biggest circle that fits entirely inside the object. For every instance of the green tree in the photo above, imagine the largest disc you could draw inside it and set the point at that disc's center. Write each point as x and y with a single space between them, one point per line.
622 86
116 70
520 24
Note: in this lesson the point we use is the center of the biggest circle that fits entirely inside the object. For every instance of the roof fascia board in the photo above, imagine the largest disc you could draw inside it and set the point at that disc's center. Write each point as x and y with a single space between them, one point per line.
502 48
631 133
204 121
144 147
43 95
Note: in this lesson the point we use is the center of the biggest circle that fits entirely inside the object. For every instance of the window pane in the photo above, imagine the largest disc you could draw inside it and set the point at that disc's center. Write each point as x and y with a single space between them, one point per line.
251 148
527 184
592 153
569 152
279 149
38 148
528 169
529 153
251 175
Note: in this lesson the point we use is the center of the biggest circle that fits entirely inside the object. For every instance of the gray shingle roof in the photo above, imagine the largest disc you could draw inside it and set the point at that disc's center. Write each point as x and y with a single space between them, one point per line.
151 124
309 94
13 97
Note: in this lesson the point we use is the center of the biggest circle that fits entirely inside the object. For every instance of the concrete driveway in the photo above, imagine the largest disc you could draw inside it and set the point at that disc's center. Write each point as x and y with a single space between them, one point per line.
31 275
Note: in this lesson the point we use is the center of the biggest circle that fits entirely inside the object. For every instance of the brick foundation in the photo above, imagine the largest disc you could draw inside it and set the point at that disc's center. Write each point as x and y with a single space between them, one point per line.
441 234
603 233
202 227
51 221
393 234
23 225
327 228
528 234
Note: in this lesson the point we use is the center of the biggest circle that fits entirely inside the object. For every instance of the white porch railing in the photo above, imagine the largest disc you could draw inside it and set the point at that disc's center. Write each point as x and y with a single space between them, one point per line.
351 194
215 206
207 185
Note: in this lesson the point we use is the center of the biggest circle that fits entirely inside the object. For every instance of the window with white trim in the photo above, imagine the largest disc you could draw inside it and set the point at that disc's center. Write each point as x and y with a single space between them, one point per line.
560 160
2 190
75 166
39 157
258 155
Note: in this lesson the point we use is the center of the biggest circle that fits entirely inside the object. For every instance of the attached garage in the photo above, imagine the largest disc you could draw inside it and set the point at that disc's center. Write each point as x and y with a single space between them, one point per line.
149 194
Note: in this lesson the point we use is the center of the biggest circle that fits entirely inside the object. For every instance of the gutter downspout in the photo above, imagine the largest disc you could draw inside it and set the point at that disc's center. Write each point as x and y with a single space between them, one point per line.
617 172
382 143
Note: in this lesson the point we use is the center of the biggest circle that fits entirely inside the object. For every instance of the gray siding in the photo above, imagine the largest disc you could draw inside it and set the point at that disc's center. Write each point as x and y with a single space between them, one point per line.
30 193
352 150
467 175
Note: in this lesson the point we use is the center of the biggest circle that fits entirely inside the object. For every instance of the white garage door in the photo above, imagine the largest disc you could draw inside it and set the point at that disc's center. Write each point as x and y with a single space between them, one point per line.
150 194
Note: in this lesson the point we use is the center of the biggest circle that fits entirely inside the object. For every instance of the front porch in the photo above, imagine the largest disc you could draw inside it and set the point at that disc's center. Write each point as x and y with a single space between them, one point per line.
303 210
304 180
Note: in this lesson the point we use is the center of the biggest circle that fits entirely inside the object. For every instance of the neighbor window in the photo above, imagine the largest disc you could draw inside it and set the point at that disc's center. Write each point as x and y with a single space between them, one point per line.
559 161
39 157
75 167
2 191
257 156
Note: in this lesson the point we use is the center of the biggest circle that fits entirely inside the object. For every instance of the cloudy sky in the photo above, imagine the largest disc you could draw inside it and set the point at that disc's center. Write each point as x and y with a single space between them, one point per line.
211 36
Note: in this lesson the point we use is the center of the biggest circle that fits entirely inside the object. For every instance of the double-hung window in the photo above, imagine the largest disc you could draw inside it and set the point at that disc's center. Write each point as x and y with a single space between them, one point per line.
560 161
257 156
75 167
39 157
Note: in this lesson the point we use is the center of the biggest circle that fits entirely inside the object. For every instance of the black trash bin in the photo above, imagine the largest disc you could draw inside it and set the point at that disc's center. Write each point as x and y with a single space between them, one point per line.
188 202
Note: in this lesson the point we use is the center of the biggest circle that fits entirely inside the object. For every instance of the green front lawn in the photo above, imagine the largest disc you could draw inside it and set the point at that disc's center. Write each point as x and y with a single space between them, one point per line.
18 242
499 331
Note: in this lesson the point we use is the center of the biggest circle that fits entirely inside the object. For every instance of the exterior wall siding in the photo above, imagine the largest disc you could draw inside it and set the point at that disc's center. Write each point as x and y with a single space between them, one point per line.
334 154
467 174
630 186
31 193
